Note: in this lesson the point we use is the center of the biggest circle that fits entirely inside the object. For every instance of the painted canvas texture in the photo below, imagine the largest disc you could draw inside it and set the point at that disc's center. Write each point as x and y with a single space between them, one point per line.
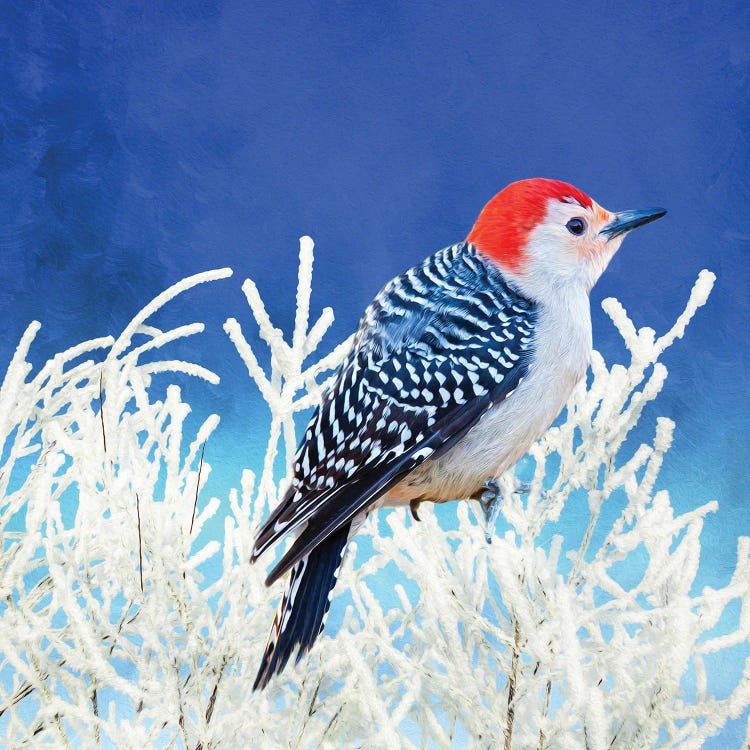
166 336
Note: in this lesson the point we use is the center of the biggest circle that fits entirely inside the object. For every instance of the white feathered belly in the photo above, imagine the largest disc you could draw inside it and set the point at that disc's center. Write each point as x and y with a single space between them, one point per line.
505 432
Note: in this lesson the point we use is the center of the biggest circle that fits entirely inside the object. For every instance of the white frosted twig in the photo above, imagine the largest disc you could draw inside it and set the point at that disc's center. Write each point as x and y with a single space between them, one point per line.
234 331
19 368
176 365
322 324
161 338
288 374
123 341
698 297
268 332
304 288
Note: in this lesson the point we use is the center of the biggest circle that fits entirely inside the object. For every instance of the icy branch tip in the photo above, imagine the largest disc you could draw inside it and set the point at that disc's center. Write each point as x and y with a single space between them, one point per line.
664 433
698 297
619 316
306 244
28 337
703 286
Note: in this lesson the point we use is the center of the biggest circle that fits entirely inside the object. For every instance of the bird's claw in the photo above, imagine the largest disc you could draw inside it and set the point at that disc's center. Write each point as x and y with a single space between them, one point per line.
414 507
490 501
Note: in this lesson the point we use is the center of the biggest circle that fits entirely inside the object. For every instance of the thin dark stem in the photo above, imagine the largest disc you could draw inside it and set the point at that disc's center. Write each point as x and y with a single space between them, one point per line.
95 707
197 487
119 627
101 413
331 723
181 722
512 677
140 539
212 699
311 710
25 690
547 693
42 726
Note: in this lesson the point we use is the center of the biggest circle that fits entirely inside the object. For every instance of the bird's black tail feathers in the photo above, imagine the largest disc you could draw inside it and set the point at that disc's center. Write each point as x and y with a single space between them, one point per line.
301 613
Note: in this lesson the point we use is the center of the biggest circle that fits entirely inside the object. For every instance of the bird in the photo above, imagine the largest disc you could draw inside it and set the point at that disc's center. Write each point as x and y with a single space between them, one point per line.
458 365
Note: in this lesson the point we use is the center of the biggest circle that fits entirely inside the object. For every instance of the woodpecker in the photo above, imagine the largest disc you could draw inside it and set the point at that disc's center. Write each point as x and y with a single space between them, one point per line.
457 367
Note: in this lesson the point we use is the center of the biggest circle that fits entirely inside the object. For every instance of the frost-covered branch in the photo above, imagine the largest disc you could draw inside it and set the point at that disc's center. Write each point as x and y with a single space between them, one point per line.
288 375
443 640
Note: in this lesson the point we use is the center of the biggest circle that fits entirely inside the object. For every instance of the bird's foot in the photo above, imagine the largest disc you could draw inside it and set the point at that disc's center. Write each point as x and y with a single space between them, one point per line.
491 501
414 507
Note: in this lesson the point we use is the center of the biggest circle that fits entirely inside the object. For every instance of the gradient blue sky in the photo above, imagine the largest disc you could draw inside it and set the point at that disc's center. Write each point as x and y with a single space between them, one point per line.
140 143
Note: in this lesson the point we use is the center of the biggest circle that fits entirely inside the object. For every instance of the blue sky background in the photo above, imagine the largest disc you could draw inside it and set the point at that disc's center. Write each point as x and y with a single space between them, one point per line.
140 143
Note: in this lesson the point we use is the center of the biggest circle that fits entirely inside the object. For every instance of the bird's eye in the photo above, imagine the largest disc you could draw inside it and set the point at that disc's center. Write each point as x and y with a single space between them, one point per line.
576 226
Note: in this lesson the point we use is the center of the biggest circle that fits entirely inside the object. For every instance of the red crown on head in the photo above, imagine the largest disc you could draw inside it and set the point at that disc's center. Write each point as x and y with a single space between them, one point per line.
503 226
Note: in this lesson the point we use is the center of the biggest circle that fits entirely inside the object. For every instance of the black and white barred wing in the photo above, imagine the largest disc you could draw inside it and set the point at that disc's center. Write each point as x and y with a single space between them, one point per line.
435 350
439 346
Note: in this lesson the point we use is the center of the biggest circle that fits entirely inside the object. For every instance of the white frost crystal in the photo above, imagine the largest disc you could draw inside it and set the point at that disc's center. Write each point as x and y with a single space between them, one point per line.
110 637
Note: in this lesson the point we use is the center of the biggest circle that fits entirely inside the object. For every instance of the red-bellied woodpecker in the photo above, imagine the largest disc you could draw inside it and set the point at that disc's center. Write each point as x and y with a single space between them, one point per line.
457 367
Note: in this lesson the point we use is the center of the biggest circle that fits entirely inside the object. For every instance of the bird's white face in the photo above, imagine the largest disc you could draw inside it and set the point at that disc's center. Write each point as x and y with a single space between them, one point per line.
573 245
568 247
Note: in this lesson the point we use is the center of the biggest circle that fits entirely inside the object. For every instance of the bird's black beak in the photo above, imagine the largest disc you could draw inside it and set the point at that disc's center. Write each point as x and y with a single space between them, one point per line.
627 220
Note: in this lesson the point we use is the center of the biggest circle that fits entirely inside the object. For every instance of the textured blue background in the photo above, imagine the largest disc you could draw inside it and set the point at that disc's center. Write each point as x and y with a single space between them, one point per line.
142 144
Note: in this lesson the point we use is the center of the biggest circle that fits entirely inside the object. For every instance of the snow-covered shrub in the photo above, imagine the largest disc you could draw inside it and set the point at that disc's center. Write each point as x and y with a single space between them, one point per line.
111 637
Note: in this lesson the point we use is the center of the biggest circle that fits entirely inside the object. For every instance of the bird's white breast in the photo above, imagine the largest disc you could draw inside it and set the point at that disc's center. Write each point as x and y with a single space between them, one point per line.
561 355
